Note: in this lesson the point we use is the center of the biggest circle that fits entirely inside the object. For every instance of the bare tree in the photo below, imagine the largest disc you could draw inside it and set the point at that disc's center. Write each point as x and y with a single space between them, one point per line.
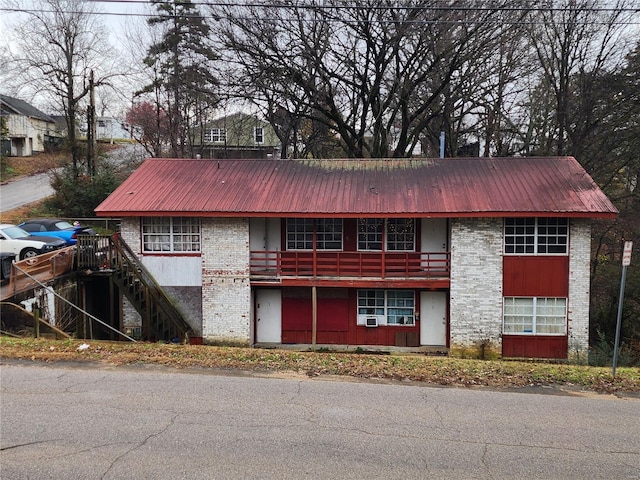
575 41
373 73
59 44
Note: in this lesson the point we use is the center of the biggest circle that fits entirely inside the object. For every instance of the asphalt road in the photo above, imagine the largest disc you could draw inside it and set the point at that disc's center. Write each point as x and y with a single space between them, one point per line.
89 422
25 190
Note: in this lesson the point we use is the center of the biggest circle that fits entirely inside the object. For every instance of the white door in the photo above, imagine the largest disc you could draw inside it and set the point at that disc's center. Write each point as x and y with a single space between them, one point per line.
268 316
433 318
434 242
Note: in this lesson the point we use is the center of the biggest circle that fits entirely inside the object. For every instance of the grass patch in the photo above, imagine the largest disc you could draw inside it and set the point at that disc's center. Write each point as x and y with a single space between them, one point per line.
415 368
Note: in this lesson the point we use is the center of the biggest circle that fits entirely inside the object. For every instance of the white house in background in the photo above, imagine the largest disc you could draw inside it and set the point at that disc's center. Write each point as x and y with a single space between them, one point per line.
419 253
111 129
30 131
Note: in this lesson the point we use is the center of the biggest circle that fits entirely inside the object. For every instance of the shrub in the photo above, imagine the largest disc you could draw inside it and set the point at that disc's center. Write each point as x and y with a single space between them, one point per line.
78 196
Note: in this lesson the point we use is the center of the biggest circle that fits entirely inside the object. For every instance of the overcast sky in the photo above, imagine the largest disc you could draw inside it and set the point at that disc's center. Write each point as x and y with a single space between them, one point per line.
117 16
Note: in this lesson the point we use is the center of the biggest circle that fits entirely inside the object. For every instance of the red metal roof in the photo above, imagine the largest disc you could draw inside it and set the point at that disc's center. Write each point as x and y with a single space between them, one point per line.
449 187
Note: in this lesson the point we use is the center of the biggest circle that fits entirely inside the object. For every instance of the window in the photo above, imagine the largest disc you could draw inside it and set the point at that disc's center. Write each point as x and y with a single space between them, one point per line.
328 233
533 236
299 234
400 234
170 234
215 135
258 134
535 316
370 233
390 307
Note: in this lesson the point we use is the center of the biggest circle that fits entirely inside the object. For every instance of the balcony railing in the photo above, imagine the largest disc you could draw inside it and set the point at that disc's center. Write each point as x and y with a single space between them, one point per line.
350 264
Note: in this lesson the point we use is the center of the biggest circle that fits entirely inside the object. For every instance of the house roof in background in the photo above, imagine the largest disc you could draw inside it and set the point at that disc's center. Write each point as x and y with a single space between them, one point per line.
237 117
21 107
450 187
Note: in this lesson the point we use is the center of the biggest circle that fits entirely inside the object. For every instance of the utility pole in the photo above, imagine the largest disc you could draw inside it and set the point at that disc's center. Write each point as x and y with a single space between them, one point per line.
91 129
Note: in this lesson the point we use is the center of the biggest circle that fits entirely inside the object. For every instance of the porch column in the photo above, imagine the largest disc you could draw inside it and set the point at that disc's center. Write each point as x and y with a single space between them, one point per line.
314 314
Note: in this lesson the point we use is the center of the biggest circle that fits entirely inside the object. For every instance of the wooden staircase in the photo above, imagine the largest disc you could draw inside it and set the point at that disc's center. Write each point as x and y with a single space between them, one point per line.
161 320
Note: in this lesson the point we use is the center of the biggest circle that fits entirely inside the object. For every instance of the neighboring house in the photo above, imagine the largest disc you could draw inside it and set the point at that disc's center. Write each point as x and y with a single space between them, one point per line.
433 254
238 136
110 129
29 130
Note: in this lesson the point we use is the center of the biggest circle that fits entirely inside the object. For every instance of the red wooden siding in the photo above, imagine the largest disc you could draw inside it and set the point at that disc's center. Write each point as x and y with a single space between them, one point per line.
536 276
337 320
534 346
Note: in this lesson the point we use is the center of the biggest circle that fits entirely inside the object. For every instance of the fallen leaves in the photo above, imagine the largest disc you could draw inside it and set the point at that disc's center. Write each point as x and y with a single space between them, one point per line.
401 368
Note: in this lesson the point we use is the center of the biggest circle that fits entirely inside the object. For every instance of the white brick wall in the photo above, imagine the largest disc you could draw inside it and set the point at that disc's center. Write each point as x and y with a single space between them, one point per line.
476 282
226 290
579 284
130 233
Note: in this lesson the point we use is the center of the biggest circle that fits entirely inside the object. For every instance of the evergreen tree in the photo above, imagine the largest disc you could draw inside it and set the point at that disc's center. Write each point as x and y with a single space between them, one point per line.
183 58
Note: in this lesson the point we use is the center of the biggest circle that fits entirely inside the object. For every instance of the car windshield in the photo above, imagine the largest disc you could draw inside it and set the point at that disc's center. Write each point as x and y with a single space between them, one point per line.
15 232
62 225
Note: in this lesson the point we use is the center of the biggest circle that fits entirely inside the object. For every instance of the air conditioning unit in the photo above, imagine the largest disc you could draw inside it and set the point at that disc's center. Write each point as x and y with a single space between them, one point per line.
371 322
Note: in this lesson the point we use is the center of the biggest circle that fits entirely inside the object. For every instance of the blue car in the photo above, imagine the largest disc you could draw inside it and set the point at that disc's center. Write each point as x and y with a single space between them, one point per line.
53 227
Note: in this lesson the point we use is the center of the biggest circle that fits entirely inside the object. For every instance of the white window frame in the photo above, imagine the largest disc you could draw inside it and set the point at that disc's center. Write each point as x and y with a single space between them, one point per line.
300 234
162 235
329 234
215 135
536 236
370 234
534 316
258 135
392 241
390 307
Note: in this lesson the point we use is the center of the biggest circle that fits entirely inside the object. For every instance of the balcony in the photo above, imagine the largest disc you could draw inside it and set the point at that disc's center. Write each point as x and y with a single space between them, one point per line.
365 265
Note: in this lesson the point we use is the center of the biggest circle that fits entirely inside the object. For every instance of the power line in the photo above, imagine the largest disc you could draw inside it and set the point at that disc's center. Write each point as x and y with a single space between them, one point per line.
323 7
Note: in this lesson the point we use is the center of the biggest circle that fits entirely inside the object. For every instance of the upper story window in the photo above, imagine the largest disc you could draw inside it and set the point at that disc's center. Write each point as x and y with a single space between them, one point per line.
535 316
370 233
399 234
215 135
328 233
536 236
170 234
258 134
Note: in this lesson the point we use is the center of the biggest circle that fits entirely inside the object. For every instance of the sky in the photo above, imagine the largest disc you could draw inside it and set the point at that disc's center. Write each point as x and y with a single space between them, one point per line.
117 16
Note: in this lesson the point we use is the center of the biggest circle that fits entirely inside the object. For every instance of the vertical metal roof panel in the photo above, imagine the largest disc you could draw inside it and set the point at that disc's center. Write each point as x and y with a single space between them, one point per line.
373 187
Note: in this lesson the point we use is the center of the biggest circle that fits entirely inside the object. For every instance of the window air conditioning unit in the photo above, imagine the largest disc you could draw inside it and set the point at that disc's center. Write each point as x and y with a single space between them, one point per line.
372 322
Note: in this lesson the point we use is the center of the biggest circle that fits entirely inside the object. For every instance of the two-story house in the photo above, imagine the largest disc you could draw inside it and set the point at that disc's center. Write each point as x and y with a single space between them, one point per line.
238 136
423 253
29 129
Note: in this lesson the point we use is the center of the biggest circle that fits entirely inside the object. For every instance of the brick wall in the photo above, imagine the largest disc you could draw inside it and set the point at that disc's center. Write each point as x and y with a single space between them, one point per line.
226 290
476 282
579 285
130 233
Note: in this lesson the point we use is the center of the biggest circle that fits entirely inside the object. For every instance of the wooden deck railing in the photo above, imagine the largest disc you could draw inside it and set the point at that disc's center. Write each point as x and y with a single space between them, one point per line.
350 264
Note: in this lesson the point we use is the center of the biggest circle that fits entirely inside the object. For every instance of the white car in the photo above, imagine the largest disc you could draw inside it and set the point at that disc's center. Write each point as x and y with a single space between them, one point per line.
24 245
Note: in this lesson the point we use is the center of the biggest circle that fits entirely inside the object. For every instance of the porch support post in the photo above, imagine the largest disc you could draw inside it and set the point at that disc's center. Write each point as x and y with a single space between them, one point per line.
314 314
